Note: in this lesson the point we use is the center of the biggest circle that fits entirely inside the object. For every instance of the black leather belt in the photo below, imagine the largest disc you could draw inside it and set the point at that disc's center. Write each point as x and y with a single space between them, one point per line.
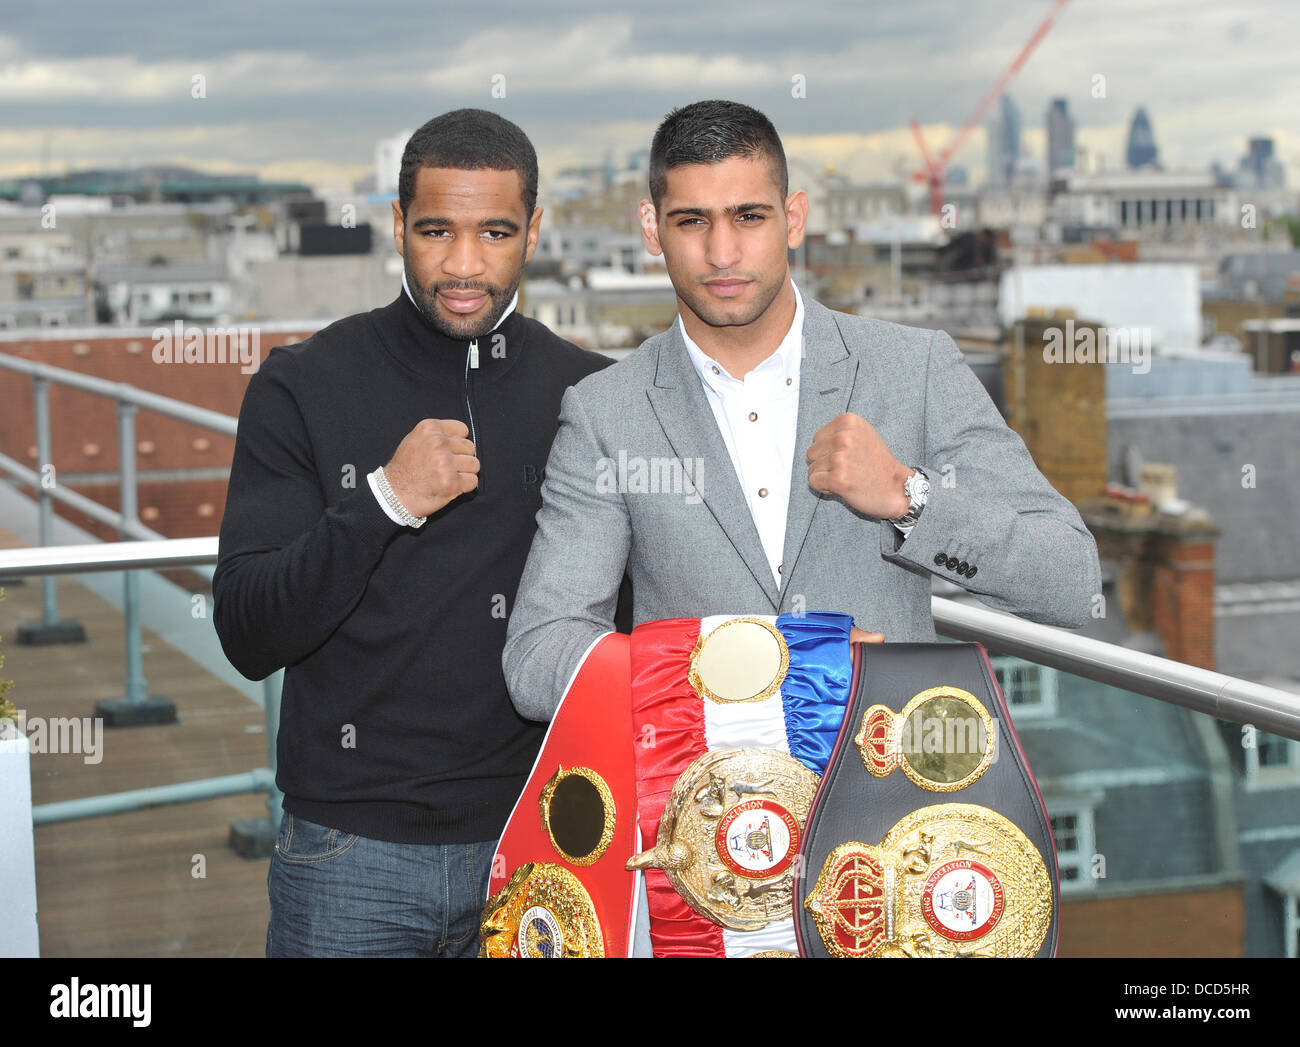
927 835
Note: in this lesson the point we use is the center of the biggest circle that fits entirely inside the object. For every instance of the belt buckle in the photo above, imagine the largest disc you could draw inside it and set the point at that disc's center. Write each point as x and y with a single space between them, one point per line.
543 912
729 834
952 879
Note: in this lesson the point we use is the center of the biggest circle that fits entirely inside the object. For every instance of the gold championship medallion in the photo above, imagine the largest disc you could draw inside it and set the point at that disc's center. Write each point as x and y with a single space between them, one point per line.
729 834
943 739
578 813
955 879
742 660
544 912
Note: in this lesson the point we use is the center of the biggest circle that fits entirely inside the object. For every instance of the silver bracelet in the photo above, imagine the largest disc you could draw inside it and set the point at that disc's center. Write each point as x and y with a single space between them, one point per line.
394 503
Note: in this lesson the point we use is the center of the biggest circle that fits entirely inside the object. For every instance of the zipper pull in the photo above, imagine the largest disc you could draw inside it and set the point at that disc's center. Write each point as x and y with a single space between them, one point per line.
473 354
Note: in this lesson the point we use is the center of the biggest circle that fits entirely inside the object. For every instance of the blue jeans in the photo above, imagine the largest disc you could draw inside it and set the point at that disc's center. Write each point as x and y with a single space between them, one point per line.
338 894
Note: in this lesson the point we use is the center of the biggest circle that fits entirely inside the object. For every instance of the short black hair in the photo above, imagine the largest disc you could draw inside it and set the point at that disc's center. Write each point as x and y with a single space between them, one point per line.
710 132
469 140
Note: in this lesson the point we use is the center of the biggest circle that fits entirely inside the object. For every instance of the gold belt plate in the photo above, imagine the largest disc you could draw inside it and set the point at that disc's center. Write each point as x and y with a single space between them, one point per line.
954 879
943 739
742 660
543 912
730 832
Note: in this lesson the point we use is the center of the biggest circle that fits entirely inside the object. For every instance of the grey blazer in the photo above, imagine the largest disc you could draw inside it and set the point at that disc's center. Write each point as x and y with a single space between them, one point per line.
640 480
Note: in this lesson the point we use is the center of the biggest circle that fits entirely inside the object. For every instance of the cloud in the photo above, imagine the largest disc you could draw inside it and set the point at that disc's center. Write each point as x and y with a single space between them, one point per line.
317 85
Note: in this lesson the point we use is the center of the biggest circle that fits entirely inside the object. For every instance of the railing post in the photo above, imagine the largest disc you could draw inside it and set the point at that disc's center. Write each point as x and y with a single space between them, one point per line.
129 507
50 629
138 707
271 689
255 837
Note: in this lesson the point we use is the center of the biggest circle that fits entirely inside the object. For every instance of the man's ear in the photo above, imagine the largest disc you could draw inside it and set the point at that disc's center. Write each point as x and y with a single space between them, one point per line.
650 228
399 228
534 228
796 216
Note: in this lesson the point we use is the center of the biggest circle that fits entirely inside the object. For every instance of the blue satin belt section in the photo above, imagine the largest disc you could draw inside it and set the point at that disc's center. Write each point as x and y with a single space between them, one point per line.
815 691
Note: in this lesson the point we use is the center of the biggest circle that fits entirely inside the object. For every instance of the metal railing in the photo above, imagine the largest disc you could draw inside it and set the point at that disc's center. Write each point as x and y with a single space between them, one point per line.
129 400
161 554
1202 690
150 550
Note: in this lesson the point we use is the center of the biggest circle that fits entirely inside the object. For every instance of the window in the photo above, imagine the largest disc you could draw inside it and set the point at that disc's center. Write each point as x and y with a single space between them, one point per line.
1293 926
1029 689
1293 920
1272 761
1290 922
1273 751
1072 829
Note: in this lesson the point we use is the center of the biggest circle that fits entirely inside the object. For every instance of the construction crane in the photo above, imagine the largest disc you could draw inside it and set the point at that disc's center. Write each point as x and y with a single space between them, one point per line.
936 168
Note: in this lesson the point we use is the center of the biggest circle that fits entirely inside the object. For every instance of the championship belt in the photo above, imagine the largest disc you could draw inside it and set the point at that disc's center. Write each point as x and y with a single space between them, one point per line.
558 886
733 720
928 835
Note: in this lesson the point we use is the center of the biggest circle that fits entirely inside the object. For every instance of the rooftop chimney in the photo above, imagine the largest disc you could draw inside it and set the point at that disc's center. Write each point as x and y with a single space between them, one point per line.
1163 551
1056 400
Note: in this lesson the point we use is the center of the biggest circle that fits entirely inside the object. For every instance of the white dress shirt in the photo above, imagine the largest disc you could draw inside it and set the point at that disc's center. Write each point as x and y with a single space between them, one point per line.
758 417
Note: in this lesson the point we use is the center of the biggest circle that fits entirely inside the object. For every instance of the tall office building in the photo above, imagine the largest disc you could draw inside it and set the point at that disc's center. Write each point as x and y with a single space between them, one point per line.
1004 143
1060 137
1142 151
1259 168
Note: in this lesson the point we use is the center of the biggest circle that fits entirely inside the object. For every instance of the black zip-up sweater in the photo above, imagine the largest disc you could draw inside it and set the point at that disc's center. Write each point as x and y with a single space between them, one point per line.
395 722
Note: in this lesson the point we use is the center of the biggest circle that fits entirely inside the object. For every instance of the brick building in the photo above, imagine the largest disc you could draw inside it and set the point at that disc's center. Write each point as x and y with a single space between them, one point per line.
183 468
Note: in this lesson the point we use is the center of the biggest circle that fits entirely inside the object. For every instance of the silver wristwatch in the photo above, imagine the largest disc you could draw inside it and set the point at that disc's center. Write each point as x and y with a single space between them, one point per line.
917 489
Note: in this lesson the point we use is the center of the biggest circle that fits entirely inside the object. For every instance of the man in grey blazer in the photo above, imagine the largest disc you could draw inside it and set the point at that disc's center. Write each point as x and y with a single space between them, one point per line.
766 455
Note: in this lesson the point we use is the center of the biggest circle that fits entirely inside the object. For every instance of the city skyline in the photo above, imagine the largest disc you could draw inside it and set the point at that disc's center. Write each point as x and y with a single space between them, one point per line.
83 87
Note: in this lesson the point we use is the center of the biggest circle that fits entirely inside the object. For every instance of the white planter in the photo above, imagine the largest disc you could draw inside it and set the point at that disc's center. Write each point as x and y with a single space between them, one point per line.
18 933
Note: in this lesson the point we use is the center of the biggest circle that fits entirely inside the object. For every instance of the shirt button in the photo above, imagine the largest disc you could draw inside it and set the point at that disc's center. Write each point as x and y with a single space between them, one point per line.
762 492
753 416
789 381
779 568
716 371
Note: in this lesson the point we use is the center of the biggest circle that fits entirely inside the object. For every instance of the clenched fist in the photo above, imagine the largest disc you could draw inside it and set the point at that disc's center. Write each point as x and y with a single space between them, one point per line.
434 463
849 459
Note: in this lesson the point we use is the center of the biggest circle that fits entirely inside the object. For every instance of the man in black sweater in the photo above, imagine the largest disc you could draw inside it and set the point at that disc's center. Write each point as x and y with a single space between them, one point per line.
381 506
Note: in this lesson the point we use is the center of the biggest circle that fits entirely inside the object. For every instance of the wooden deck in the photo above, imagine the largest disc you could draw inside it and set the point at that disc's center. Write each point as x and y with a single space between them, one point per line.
123 885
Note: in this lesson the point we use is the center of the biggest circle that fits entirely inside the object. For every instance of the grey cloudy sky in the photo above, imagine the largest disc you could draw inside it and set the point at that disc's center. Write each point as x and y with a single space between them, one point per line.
303 90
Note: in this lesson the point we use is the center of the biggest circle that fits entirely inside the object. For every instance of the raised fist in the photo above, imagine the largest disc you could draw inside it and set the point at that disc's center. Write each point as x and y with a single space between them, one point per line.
848 458
434 463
